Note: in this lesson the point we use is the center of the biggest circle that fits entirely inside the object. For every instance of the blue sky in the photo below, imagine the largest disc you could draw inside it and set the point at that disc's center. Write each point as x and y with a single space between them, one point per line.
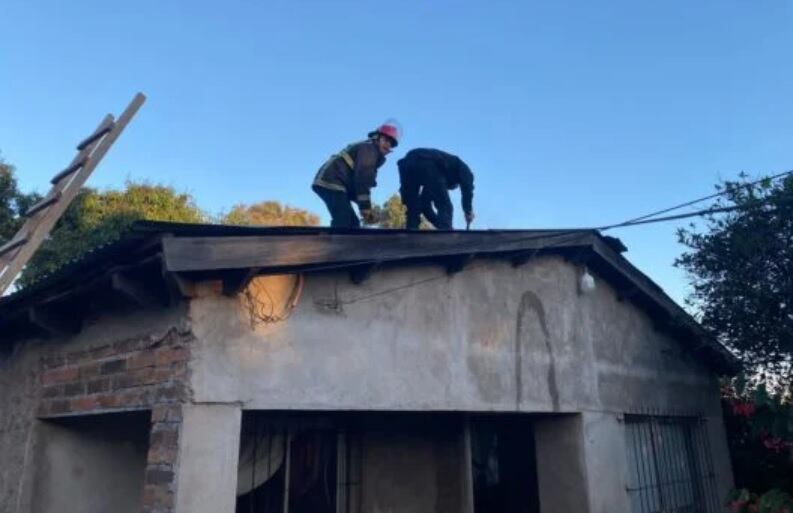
570 113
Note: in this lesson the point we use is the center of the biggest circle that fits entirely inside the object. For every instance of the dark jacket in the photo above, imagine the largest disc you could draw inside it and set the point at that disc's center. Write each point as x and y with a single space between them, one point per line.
455 171
354 171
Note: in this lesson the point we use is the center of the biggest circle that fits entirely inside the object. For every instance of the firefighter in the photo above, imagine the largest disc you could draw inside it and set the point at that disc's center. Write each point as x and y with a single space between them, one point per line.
426 176
349 176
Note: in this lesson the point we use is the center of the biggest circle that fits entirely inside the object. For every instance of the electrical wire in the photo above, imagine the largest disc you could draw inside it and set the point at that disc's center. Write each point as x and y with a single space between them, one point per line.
642 220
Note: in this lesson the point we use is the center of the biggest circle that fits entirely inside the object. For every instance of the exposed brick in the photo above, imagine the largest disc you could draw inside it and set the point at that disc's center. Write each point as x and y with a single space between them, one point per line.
57 407
50 392
166 413
61 375
76 357
169 393
53 362
168 356
160 454
89 370
160 439
127 346
122 381
85 404
142 359
143 376
109 401
72 389
158 476
113 366
101 352
137 397
98 386
157 498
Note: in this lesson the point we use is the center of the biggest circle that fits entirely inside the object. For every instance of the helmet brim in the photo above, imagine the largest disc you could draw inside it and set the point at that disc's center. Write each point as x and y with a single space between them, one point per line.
394 142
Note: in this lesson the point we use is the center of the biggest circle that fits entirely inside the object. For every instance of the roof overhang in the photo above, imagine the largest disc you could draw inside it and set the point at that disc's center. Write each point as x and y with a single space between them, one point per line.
151 264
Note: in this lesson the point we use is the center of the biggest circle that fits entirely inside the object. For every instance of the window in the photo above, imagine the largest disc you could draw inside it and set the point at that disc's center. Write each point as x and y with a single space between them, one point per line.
297 467
669 465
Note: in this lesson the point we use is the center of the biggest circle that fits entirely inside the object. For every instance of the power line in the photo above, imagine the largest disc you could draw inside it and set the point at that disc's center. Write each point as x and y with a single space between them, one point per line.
710 196
642 220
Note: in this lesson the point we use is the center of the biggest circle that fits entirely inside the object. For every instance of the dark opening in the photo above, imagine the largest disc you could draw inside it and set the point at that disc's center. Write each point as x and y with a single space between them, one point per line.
272 451
504 466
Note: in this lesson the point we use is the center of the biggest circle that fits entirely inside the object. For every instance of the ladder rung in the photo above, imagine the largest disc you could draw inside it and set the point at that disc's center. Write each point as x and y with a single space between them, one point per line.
69 170
41 205
14 243
96 135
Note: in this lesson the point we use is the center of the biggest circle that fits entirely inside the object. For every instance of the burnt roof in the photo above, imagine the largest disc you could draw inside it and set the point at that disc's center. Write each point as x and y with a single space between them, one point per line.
150 260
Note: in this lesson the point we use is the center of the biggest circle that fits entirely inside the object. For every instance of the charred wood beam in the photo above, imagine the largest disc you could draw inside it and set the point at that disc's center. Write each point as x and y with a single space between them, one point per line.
455 264
139 290
522 258
361 273
236 280
56 320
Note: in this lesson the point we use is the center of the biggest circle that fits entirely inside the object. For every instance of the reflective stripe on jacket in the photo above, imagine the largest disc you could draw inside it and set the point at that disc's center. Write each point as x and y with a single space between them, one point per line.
353 170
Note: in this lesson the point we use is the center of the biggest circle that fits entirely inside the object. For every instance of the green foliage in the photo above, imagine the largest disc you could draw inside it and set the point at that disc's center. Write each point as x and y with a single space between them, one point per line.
269 213
393 214
96 218
742 500
741 269
13 203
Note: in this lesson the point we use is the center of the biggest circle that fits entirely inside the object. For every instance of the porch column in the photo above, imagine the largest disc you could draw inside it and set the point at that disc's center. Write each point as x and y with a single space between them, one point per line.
581 463
208 452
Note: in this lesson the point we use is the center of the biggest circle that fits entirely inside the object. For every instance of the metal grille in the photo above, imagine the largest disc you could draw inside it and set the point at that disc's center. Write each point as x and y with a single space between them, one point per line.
670 467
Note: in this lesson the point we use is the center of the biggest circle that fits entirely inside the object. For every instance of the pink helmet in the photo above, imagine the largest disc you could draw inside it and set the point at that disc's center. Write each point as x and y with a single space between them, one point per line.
390 129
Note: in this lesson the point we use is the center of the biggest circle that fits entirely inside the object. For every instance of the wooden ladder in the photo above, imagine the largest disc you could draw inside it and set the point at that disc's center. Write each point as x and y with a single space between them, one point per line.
41 217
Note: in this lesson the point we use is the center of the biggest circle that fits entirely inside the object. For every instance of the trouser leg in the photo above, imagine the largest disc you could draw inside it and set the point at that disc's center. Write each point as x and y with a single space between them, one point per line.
436 204
342 215
409 191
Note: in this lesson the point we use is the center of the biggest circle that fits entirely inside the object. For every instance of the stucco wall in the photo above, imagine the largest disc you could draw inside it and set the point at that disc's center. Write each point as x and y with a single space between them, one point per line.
491 338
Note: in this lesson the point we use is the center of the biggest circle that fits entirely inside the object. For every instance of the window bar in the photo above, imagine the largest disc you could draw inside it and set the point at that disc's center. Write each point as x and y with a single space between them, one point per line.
708 462
646 481
287 467
644 502
697 484
676 467
252 498
653 429
644 444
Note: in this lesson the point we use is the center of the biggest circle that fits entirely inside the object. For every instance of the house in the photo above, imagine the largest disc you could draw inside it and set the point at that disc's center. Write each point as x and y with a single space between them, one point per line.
198 368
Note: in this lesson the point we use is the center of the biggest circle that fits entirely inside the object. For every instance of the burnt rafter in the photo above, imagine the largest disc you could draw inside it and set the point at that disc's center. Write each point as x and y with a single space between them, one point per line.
456 263
141 289
361 273
235 280
57 320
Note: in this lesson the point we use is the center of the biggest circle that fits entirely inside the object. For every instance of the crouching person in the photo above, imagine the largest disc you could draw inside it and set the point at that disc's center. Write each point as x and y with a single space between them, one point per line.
349 176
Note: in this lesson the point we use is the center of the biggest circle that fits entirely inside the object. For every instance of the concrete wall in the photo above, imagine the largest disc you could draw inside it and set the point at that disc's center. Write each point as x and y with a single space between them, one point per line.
92 466
492 338
413 473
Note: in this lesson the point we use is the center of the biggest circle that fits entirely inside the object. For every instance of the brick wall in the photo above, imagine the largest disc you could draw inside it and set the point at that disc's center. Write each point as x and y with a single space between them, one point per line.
134 374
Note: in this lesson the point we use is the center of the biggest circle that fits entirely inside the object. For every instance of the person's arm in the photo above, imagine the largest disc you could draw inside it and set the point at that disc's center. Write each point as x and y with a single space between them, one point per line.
365 175
467 191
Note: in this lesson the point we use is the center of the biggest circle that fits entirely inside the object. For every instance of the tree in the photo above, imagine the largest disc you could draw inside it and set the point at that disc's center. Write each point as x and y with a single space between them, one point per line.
96 218
269 213
393 214
741 270
13 203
